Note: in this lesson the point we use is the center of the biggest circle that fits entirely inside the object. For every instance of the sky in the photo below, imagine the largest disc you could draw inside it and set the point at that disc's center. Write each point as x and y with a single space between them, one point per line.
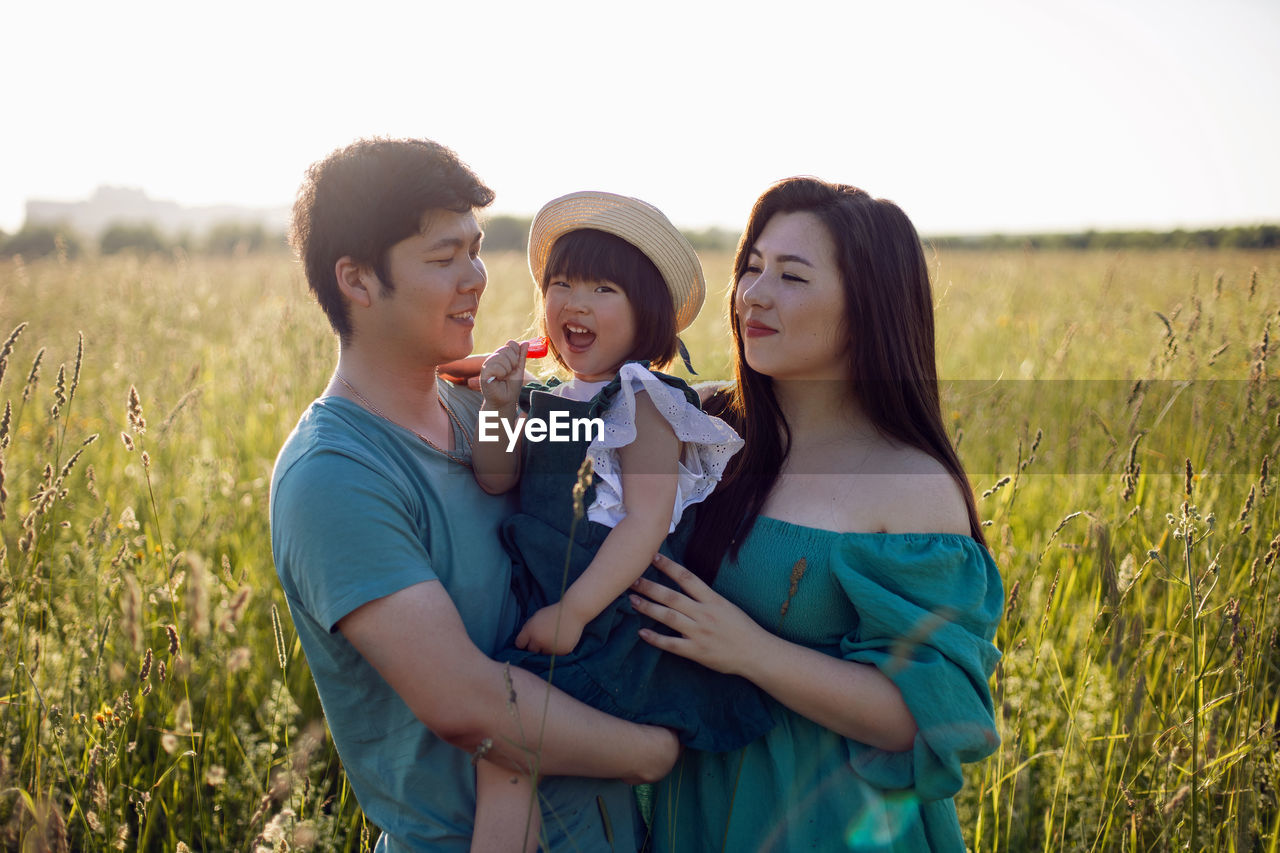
974 116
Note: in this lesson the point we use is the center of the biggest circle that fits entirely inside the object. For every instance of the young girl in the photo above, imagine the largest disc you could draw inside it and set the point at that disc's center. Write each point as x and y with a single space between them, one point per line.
618 282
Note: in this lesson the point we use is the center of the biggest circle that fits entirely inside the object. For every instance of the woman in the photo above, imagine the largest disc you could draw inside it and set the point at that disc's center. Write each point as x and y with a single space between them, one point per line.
841 565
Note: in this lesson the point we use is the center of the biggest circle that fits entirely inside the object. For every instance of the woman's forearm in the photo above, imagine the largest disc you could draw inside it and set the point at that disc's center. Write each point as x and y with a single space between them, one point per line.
855 700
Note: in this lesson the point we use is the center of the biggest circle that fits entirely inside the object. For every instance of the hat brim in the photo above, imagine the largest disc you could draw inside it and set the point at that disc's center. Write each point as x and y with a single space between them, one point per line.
640 224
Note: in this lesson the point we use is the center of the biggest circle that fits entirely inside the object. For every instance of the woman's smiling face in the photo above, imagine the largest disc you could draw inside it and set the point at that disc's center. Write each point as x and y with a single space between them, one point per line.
591 325
790 302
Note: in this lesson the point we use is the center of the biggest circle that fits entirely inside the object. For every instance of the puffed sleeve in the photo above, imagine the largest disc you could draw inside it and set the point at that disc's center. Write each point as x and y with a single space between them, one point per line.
928 607
706 443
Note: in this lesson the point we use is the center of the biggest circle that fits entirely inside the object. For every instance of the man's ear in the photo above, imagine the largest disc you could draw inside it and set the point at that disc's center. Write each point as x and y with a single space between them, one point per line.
356 281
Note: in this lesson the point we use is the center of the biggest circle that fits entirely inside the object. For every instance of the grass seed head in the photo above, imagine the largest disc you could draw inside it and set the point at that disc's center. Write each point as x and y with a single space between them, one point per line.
278 633
580 488
1248 505
797 572
131 609
137 423
59 393
7 348
33 378
1014 594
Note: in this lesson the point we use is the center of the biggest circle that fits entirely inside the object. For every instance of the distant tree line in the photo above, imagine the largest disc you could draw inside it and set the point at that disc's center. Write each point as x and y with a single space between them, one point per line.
511 233
1236 237
229 238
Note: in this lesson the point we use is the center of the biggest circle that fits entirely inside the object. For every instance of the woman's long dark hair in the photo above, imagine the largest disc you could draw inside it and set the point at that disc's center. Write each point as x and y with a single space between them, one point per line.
888 321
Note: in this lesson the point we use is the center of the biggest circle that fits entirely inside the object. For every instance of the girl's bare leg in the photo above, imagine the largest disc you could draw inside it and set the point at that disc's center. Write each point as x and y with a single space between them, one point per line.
507 814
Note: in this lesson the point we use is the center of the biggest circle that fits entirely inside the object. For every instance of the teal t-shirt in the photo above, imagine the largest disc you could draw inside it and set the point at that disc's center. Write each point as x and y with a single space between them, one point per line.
362 508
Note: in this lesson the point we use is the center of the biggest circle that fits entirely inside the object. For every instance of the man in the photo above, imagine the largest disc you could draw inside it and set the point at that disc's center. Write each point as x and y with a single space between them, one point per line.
386 547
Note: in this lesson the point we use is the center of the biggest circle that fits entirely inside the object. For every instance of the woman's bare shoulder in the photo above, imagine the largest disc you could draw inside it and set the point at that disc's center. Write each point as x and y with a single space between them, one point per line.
917 494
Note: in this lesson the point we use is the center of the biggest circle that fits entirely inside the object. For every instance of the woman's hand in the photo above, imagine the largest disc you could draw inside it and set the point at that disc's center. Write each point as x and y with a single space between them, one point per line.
715 633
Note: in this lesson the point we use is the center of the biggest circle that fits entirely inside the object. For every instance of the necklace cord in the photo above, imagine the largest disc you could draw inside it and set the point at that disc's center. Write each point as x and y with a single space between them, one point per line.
453 420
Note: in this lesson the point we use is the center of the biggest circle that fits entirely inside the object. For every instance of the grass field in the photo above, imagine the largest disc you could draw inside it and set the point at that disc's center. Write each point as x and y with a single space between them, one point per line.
1119 413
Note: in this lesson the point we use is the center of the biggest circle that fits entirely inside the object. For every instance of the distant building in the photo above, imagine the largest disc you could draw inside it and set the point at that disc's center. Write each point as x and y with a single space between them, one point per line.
112 205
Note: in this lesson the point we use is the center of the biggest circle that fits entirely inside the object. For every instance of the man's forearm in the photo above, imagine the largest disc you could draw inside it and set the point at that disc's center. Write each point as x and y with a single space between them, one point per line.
567 737
417 642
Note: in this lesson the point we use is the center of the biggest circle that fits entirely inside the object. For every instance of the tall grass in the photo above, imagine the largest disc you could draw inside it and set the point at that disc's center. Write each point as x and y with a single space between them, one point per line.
1118 413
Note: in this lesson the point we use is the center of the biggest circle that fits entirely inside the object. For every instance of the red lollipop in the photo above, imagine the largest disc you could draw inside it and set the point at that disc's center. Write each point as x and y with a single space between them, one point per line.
537 347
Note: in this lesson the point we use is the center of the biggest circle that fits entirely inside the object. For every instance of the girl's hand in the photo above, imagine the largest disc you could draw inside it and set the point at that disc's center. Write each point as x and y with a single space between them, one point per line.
502 376
553 630
715 633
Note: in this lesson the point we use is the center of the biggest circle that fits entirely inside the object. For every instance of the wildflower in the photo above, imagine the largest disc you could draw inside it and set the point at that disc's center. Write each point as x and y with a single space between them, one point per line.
305 836
234 611
182 718
215 775
238 660
1177 800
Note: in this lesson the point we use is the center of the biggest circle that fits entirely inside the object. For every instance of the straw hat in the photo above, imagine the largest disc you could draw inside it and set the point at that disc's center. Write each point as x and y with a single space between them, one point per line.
640 224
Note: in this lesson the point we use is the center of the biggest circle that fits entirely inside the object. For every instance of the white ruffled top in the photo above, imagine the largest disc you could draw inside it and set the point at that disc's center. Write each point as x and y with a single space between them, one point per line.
706 442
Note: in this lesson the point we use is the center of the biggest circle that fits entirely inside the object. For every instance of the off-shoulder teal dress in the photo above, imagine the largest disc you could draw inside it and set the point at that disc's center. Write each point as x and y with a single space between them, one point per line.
923 609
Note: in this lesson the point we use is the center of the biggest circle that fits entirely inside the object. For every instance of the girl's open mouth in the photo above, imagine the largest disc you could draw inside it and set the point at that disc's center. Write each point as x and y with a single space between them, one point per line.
578 338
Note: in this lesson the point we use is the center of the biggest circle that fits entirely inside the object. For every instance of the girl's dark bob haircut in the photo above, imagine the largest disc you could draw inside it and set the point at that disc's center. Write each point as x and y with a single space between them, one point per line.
590 255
